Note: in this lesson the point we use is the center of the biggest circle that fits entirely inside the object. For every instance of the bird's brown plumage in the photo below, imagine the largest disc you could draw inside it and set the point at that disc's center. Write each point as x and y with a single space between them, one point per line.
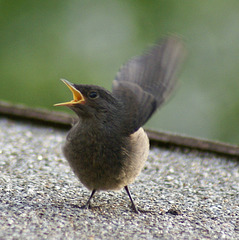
107 148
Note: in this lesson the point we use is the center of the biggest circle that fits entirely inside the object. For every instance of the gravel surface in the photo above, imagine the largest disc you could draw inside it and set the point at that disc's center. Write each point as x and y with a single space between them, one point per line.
181 194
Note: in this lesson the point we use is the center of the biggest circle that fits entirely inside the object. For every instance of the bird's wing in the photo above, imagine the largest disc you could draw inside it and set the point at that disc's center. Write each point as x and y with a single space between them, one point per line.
146 81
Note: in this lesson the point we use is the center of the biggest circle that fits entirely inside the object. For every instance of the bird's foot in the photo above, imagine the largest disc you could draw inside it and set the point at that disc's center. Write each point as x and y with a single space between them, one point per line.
86 206
134 208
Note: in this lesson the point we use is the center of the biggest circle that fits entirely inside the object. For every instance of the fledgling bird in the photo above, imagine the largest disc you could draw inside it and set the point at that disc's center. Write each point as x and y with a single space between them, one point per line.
107 147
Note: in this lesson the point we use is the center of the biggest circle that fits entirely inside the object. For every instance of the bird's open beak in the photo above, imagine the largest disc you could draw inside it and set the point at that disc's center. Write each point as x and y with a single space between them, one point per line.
78 98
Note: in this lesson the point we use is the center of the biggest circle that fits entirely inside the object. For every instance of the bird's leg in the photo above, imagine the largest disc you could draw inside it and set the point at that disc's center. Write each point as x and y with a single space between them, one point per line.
87 205
133 205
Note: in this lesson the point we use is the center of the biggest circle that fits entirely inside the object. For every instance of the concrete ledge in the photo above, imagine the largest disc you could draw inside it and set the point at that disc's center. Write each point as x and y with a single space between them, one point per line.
63 120
182 193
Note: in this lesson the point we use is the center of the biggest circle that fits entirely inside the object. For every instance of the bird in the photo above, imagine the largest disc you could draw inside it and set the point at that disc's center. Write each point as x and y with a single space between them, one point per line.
107 146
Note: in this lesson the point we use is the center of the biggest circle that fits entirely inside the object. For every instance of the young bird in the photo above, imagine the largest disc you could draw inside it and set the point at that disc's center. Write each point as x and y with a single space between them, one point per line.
107 147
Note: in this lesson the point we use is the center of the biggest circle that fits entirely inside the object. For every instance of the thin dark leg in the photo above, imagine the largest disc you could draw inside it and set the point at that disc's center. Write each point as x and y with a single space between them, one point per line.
133 205
87 205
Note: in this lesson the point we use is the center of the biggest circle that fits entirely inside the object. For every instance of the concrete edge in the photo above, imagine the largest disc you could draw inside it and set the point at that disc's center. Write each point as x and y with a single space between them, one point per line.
64 120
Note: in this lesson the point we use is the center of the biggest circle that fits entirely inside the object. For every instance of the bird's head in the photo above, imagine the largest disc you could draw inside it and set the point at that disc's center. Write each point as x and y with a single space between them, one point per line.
90 101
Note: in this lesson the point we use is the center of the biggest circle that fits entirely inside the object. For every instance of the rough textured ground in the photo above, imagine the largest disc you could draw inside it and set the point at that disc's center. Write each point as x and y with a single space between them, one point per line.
182 194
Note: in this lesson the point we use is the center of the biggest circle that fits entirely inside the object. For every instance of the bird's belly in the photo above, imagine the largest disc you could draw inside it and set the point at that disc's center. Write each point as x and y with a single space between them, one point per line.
95 168
104 167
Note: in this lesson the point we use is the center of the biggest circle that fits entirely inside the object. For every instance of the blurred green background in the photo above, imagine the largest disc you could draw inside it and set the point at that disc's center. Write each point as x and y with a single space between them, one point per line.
87 41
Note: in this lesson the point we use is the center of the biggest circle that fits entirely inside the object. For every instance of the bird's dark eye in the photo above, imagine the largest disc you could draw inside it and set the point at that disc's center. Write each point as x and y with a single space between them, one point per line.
93 95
